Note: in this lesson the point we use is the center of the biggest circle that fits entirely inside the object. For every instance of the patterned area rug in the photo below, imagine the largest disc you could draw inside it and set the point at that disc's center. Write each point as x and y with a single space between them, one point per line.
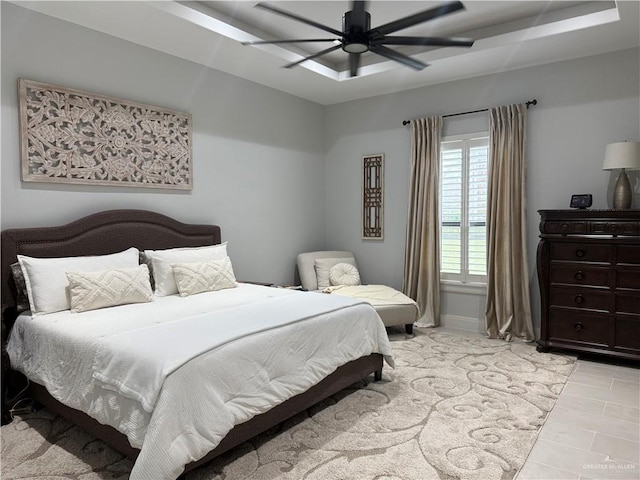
455 407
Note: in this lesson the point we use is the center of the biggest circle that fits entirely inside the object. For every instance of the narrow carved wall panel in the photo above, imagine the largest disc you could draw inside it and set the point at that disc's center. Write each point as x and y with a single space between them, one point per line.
373 197
70 136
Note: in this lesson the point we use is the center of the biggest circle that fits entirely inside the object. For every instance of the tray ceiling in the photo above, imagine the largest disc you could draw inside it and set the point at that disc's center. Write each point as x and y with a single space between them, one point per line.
508 34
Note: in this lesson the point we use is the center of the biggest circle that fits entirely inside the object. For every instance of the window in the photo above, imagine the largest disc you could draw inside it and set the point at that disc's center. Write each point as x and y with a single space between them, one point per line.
464 175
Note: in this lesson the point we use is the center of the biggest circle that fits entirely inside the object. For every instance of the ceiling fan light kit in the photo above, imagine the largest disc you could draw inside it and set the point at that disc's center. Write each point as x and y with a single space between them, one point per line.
355 25
357 36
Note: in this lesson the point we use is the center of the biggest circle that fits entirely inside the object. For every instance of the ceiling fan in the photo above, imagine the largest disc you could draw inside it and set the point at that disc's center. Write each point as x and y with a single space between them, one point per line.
357 36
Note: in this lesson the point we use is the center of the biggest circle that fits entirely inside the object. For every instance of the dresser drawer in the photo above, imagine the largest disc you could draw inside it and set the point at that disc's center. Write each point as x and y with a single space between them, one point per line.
565 227
628 333
587 298
580 275
592 328
628 302
614 228
627 277
628 254
581 252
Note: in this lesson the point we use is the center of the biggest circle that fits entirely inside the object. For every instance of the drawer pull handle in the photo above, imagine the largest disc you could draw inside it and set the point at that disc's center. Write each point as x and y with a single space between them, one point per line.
579 253
579 299
565 226
579 327
579 275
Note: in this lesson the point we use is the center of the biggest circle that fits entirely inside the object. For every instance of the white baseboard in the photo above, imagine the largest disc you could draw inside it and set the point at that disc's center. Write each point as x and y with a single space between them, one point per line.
467 324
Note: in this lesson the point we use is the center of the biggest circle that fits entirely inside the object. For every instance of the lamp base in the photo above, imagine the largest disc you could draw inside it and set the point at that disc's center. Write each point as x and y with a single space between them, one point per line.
622 192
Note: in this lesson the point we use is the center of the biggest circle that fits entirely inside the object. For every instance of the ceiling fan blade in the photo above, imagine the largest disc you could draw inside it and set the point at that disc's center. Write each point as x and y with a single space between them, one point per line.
428 41
330 49
398 57
263 42
419 17
293 16
354 63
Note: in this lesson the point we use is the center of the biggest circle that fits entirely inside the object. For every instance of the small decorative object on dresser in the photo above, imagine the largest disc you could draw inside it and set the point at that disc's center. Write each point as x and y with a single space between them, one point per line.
589 274
583 200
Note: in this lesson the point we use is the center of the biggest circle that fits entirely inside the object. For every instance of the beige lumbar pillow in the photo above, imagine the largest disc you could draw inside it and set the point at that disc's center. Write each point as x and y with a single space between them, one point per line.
108 288
197 277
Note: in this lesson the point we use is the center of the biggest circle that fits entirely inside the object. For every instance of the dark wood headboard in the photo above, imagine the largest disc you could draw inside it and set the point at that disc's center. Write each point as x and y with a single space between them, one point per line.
98 234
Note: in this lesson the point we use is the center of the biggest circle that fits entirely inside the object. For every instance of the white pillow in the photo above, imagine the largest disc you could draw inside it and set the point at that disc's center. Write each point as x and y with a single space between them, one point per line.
46 278
344 274
198 277
323 266
108 288
161 261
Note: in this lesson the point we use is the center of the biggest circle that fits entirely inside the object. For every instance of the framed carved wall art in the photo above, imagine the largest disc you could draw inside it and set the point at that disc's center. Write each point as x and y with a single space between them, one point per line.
373 197
71 136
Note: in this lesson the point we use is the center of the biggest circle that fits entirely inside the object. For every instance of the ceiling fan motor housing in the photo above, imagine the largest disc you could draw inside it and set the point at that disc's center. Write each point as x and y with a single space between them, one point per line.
355 25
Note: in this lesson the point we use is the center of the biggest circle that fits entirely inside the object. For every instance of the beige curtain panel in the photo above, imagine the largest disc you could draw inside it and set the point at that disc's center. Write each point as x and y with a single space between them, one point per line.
422 251
508 311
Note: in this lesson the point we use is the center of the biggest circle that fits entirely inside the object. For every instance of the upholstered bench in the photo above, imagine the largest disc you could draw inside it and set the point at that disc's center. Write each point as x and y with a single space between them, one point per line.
318 269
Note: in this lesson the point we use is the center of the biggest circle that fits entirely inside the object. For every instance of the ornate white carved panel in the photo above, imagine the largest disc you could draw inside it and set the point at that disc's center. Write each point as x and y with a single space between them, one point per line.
373 197
70 136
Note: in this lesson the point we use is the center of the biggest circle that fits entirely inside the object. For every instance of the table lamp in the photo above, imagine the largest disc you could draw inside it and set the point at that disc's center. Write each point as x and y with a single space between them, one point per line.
622 155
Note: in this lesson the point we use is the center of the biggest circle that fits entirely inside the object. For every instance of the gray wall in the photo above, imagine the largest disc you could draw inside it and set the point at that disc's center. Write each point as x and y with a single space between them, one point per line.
583 105
258 153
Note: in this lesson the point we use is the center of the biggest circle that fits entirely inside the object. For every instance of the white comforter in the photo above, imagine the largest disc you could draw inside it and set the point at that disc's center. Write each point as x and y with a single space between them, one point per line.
194 405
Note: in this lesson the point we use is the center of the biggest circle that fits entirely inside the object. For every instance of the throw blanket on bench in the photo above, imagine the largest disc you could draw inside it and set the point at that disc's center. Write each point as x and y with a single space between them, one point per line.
376 295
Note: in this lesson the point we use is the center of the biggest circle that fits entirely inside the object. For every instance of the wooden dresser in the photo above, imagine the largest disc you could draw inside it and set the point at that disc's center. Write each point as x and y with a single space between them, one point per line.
589 273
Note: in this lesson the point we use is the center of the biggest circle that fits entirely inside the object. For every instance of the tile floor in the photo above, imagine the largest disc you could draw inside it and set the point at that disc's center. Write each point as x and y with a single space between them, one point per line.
593 431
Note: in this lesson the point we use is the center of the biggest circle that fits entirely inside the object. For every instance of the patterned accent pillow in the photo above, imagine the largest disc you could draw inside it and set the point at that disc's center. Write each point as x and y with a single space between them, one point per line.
22 297
344 274
198 277
144 260
108 288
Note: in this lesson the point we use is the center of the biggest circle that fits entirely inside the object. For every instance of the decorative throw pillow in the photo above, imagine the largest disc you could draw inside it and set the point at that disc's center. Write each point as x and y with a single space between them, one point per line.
323 266
22 297
144 260
162 260
344 274
198 277
46 278
108 288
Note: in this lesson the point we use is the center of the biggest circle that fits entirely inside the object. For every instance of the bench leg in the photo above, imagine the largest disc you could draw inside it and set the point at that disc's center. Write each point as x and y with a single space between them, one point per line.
409 328
377 375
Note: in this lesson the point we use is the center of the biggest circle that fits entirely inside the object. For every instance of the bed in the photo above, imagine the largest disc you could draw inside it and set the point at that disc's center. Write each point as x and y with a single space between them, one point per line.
170 423
336 272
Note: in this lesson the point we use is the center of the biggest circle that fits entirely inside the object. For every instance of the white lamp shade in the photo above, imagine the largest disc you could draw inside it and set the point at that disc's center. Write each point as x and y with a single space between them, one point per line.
622 155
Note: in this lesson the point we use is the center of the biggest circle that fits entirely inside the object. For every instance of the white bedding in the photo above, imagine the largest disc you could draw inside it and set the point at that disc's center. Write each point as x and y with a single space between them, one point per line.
203 399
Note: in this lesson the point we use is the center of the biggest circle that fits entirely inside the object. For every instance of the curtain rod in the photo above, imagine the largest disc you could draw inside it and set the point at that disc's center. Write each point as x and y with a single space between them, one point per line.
529 103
